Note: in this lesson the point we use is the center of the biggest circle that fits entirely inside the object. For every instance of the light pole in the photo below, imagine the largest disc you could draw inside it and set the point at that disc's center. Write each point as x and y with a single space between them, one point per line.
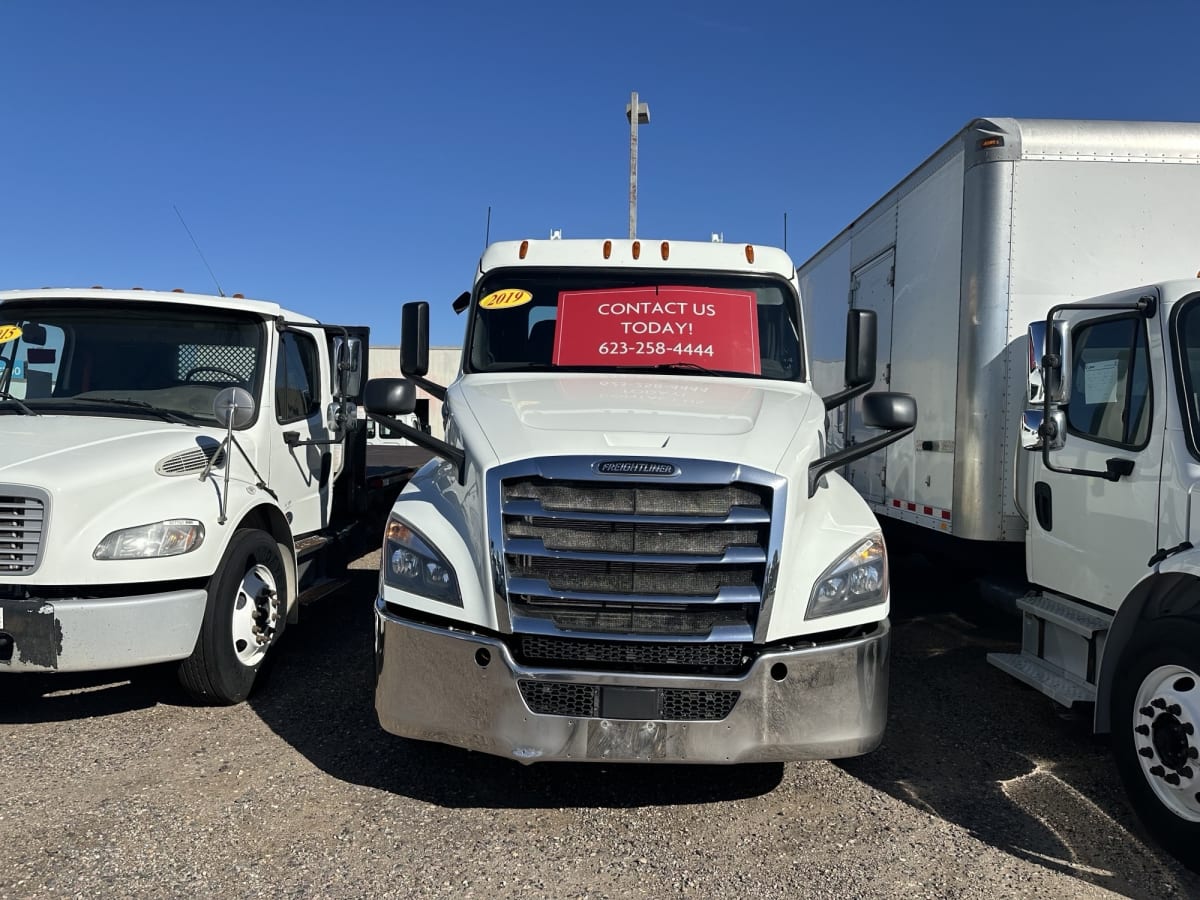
637 114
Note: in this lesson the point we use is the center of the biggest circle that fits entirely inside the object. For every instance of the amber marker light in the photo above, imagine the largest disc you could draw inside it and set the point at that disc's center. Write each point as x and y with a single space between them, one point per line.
749 253
524 249
666 250
637 249
607 249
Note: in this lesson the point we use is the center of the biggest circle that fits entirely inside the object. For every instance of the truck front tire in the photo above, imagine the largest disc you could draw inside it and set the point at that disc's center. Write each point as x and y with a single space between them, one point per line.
245 613
1156 732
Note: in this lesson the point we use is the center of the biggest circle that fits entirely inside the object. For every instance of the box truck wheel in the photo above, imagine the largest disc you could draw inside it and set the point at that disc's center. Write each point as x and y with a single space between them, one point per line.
1156 732
243 619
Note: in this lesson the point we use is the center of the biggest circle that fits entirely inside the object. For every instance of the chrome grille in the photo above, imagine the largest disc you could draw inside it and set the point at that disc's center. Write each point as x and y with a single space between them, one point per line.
598 555
22 523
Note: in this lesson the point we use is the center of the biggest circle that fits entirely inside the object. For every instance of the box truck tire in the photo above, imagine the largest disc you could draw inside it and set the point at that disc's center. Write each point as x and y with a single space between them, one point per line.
1155 720
242 621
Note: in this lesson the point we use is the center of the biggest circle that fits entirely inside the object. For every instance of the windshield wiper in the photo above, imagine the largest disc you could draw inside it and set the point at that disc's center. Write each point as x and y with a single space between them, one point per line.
137 404
683 366
25 410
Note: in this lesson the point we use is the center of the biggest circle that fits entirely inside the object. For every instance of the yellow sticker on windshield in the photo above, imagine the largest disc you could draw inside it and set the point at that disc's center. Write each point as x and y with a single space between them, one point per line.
9 333
505 299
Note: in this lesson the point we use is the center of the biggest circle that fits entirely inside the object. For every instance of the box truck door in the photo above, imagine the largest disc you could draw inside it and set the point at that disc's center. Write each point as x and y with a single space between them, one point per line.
1091 538
871 288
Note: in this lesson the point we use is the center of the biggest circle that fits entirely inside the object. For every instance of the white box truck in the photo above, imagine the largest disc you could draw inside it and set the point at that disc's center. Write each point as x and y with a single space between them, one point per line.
1019 221
632 546
176 472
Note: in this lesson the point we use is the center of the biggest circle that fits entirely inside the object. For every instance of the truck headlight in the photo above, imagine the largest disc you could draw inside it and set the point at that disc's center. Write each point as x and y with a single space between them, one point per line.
858 579
410 564
171 537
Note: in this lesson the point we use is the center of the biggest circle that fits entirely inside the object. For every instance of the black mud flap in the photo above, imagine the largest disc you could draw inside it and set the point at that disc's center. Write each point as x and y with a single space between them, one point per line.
34 635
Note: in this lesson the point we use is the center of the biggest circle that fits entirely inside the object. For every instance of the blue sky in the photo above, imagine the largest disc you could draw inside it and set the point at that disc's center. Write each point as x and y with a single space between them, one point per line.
341 157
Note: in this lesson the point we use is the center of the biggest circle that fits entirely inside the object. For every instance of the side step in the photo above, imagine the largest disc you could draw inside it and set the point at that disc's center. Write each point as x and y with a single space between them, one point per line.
322 588
1061 645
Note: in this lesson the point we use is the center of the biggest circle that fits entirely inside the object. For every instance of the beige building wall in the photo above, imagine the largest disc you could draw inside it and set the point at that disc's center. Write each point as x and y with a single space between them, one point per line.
443 369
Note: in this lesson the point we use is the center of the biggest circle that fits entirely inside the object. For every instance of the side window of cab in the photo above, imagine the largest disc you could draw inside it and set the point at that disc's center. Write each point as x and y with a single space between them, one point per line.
296 378
1110 382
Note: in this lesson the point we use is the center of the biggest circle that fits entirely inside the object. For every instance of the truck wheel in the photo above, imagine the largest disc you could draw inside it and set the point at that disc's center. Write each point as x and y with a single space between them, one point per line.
1155 723
244 617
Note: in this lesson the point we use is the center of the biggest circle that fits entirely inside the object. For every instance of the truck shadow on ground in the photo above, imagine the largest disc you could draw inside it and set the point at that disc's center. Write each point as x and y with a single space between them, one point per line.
34 698
969 745
320 699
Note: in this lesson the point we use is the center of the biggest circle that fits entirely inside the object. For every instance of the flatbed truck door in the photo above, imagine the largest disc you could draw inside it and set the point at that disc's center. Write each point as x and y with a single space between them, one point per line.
871 288
1091 538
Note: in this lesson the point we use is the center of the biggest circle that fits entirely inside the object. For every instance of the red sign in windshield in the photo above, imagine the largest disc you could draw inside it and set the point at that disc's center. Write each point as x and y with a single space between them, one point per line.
649 326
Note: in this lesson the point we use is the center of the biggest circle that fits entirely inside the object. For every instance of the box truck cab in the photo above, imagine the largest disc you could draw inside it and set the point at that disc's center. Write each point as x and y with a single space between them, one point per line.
1111 474
634 545
177 472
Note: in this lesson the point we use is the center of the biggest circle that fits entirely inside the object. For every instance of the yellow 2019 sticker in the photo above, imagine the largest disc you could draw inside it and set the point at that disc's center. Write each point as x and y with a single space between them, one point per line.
9 333
506 299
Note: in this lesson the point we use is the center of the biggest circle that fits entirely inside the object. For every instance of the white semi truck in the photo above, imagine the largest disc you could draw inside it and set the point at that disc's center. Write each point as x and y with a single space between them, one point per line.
633 545
176 472
1019 221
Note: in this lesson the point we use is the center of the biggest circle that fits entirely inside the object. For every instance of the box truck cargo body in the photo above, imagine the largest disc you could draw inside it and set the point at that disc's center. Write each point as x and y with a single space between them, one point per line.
1008 218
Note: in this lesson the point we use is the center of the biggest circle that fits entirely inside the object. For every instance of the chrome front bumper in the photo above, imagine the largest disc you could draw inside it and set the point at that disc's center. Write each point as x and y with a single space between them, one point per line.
460 688
79 635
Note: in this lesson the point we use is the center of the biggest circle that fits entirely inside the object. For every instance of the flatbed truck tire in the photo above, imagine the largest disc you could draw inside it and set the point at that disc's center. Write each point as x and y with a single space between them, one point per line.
243 618
1156 732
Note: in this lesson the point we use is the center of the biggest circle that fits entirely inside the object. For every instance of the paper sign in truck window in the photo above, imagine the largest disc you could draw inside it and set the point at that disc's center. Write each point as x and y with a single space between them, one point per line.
649 326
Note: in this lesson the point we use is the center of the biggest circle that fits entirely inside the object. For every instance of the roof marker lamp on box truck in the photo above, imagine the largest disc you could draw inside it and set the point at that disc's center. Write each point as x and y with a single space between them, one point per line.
635 545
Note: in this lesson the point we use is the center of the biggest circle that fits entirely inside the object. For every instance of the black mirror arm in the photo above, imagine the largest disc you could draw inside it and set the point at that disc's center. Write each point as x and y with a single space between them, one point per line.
846 394
428 441
433 389
849 454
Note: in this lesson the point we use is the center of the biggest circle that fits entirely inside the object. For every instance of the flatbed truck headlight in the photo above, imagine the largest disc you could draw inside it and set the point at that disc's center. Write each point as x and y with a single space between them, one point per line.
858 579
410 564
171 537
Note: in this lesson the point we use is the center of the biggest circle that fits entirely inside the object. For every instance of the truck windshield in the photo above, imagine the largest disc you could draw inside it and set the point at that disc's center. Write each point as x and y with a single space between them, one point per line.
676 322
124 359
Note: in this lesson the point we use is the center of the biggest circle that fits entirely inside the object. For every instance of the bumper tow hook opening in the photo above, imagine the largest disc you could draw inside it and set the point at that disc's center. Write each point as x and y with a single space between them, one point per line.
482 657
779 671
6 646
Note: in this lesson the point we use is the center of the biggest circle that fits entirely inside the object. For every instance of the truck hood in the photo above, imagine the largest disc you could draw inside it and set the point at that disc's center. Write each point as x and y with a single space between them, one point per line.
696 417
50 451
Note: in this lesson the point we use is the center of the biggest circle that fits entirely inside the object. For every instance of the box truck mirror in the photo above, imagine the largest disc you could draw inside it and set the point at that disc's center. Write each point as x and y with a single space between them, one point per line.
1049 362
347 366
896 413
1036 429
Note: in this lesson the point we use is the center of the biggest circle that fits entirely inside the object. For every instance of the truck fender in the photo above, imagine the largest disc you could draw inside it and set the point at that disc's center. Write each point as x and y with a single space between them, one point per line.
1173 589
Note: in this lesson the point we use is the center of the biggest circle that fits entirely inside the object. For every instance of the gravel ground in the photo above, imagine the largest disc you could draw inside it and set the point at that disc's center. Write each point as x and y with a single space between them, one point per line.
116 787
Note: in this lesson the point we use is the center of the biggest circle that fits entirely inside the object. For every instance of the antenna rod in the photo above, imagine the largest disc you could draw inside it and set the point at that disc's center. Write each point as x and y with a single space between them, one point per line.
487 235
785 232
198 250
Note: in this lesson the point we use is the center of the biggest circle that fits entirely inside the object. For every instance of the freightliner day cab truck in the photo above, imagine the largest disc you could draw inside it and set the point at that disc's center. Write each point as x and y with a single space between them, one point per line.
176 473
1011 222
633 545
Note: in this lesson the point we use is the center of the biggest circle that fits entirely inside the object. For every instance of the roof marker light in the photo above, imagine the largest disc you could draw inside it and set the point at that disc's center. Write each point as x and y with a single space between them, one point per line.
135 288
239 296
749 253
666 249
608 249
177 290
97 287
524 249
637 249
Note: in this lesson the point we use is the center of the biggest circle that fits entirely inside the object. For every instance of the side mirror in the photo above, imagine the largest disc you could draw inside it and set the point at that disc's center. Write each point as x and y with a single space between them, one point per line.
414 339
1049 362
890 411
347 365
34 335
461 302
860 347
390 397
860 357
1038 432
234 407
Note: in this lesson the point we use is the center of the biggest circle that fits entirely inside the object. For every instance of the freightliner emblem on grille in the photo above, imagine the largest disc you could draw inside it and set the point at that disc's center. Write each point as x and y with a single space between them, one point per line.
636 467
